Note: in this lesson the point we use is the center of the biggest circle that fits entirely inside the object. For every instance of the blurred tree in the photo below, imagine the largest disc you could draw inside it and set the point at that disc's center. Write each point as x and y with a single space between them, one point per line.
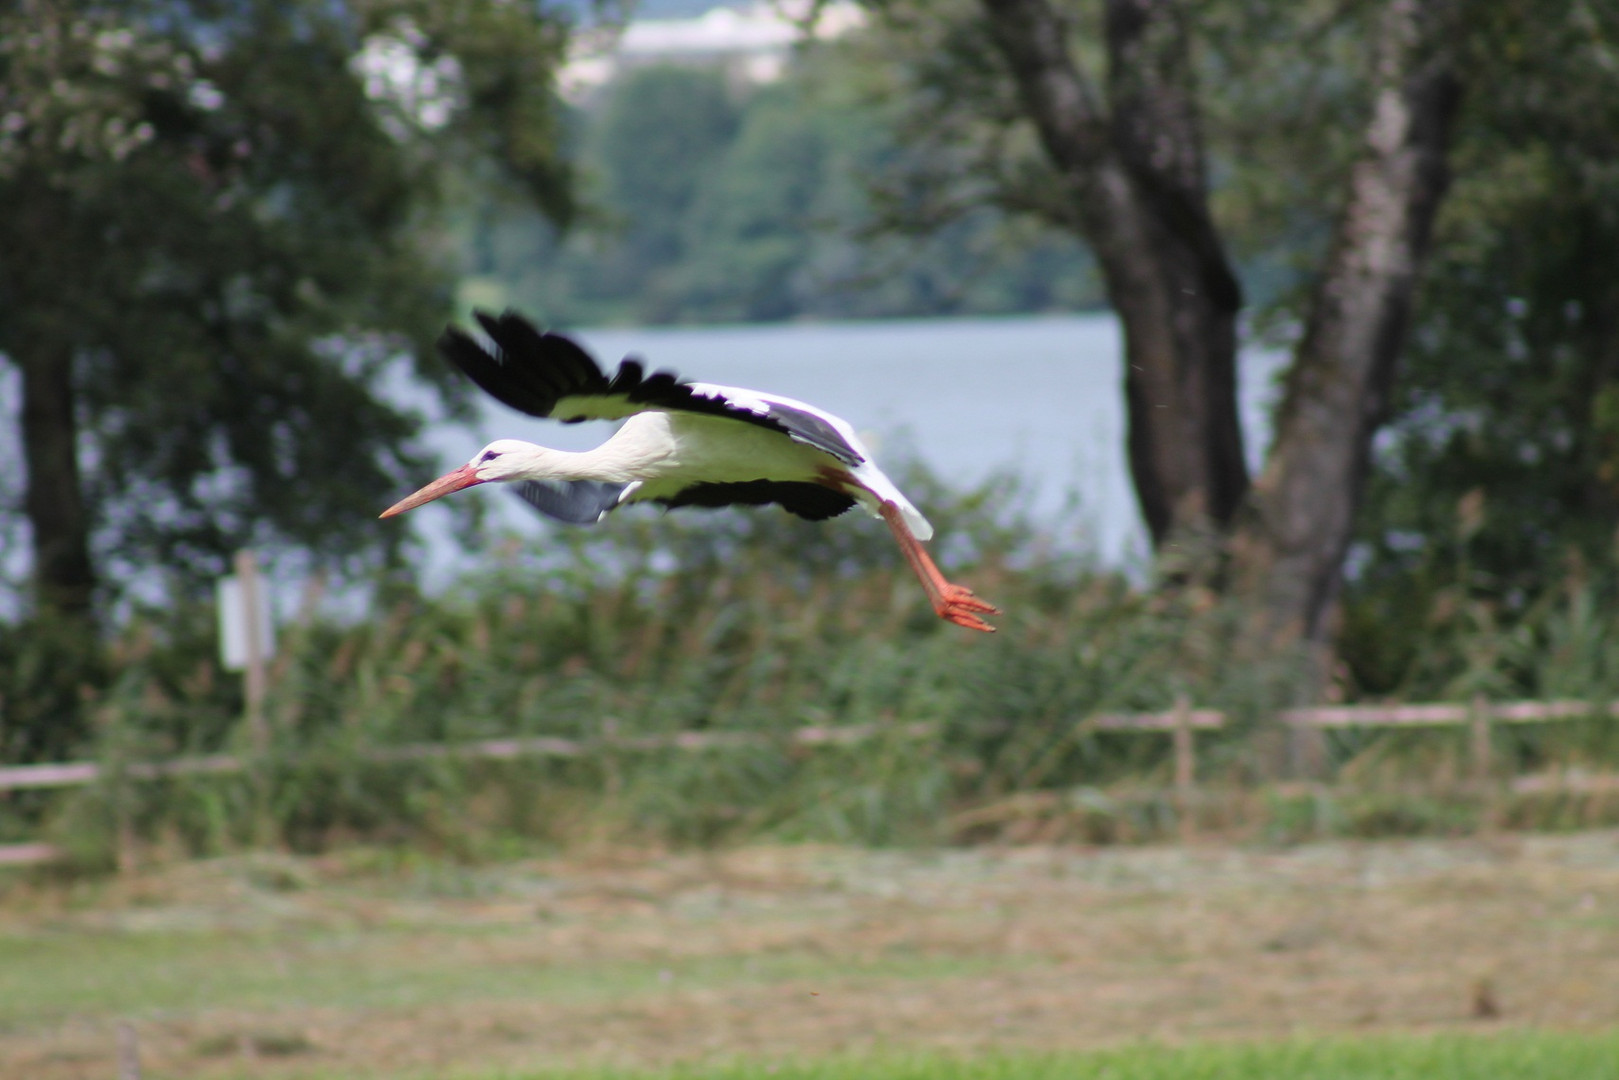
752 227
1006 112
662 133
1289 550
215 248
1119 158
1500 474
771 220
784 227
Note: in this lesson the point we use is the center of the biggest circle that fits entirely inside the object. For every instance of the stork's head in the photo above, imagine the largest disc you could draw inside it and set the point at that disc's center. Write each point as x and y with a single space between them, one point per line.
503 459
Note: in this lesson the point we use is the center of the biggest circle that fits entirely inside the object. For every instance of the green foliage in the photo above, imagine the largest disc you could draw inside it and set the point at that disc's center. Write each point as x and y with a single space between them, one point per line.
758 625
44 670
1280 95
216 216
1500 474
753 231
660 136
217 265
717 202
767 625
1284 104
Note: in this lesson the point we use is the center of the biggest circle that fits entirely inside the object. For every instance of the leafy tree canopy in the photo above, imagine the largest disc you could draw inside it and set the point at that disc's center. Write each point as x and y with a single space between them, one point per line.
1500 479
218 256
218 243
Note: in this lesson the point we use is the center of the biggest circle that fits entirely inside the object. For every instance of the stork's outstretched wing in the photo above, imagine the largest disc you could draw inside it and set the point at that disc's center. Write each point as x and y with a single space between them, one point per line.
549 375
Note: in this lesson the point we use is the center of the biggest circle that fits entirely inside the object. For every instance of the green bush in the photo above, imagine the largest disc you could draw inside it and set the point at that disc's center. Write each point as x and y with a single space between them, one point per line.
761 624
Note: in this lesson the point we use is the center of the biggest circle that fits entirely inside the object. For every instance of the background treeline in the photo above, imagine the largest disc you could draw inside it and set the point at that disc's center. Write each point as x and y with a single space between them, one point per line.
712 199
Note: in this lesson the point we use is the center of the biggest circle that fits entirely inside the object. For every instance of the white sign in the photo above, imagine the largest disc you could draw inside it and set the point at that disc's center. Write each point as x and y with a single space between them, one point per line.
233 625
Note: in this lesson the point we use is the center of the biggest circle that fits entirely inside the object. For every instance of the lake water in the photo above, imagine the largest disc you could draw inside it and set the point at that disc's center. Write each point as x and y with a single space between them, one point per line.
1039 397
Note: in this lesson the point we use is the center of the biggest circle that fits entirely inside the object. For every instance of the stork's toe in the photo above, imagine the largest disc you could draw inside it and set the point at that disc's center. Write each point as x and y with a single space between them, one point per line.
958 604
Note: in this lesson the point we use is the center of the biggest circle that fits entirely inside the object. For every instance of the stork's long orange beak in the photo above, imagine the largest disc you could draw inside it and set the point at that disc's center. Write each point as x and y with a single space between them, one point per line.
464 477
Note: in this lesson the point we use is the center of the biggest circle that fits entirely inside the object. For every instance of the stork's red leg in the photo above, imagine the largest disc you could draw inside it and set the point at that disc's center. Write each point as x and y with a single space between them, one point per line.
954 602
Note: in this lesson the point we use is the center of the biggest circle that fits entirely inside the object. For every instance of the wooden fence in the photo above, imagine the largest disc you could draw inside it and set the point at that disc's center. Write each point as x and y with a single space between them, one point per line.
1181 723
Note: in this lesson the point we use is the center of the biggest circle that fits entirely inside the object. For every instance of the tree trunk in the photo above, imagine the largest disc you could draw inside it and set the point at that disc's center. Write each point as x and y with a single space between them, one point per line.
1136 175
64 580
1288 550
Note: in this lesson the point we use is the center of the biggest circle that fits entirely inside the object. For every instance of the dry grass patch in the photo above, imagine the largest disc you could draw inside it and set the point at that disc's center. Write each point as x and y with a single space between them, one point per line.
367 963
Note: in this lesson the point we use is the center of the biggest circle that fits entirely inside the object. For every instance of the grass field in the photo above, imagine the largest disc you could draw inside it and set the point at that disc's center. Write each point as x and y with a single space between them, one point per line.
1518 1056
1443 959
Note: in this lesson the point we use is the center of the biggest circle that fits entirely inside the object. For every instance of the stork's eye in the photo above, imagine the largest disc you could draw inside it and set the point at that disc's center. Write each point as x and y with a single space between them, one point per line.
489 455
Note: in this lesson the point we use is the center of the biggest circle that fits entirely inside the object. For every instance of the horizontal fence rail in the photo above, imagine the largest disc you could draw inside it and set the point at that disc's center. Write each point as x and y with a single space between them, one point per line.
68 774
1180 722
72 773
1511 712
1200 719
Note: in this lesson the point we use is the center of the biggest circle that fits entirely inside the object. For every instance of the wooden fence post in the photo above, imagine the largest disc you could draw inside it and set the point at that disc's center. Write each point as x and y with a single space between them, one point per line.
612 779
1479 739
1478 723
117 739
1185 769
1306 750
124 848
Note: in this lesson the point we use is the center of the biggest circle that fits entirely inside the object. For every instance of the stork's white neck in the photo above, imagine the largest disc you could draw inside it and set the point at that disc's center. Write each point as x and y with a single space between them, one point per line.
636 452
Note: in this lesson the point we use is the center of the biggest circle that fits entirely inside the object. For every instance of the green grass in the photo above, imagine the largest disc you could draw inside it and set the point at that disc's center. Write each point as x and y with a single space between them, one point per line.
53 978
832 962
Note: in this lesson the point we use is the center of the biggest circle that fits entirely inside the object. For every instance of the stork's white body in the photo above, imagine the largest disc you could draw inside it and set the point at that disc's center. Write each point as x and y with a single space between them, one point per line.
659 454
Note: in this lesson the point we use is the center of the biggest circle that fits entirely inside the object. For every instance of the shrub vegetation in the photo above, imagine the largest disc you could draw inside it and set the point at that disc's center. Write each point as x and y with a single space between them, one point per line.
762 624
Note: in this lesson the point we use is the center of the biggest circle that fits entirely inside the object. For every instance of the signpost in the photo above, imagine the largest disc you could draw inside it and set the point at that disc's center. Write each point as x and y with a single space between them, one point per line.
247 637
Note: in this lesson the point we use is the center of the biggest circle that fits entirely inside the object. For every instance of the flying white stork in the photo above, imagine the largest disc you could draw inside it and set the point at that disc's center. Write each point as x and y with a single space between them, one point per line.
682 444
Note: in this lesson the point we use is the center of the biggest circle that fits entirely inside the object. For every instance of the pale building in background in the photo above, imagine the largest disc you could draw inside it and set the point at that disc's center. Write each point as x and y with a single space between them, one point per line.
752 43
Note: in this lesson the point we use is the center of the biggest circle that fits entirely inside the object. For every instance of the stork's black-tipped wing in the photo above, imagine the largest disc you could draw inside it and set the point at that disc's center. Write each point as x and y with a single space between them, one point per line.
810 501
549 375
586 502
527 370
578 502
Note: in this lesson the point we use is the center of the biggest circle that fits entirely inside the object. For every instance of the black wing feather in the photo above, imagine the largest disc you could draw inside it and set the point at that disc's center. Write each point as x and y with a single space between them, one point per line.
578 502
527 370
531 371
807 500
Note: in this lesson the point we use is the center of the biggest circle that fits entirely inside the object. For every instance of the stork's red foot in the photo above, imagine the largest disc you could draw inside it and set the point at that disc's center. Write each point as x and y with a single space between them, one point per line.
958 604
953 602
